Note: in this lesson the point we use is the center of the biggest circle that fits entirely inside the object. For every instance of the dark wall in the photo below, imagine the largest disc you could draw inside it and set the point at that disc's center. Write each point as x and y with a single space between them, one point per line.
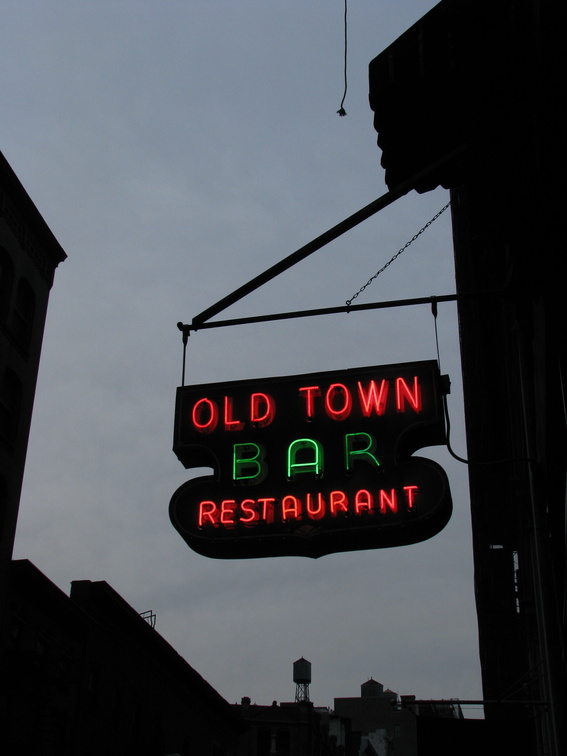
86 674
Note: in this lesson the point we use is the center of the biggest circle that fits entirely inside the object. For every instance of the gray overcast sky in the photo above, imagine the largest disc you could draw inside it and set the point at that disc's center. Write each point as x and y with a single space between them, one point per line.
176 149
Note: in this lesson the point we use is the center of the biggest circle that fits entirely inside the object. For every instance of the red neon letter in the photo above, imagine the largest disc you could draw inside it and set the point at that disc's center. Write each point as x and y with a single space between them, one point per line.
363 500
267 509
411 493
291 507
343 411
227 512
248 506
338 502
205 416
315 513
310 393
256 401
388 501
208 512
403 393
229 423
372 398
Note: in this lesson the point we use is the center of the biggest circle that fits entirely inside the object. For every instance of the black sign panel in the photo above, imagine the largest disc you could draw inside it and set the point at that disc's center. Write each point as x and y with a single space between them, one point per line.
311 464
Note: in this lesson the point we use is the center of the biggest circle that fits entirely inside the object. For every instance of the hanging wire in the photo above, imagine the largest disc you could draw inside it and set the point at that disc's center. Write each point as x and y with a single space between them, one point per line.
341 111
445 403
448 439
185 332
434 313
398 253
450 449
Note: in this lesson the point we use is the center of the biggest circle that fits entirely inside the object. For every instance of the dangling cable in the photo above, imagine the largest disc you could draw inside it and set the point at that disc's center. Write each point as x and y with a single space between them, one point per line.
445 392
185 331
448 428
448 419
341 111
434 313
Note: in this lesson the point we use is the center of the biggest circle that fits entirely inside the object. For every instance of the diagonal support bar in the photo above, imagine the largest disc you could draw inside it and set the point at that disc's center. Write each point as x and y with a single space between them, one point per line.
300 254
329 236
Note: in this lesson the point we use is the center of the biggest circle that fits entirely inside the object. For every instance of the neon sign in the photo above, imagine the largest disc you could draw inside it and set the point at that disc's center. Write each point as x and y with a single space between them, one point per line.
309 465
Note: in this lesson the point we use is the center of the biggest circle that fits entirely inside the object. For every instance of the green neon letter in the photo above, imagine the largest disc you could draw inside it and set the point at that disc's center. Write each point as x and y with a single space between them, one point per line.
248 465
360 446
305 455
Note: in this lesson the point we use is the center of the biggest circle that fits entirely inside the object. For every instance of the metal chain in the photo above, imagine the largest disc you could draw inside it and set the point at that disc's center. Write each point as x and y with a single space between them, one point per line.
398 253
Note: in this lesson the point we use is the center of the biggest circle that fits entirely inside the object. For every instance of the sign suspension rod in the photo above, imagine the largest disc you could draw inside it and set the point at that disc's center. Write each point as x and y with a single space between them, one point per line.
187 328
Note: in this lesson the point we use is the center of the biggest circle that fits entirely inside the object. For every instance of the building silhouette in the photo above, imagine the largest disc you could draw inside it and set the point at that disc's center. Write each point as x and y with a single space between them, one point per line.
29 255
85 673
376 723
285 729
468 98
383 725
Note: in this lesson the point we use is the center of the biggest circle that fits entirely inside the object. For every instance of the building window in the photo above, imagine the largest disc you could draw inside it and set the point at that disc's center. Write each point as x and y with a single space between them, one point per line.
41 647
282 742
10 405
264 742
6 282
24 313
3 503
15 636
